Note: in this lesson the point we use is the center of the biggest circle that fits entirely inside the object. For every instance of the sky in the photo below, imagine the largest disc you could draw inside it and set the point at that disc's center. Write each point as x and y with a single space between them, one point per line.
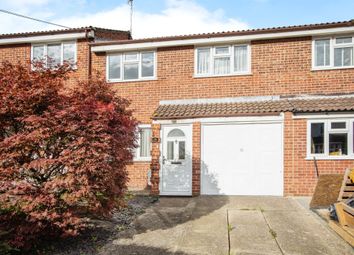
153 18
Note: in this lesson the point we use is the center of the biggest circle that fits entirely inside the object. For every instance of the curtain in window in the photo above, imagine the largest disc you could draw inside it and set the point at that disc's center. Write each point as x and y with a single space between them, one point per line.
222 65
343 56
69 53
54 55
322 52
145 143
240 55
203 61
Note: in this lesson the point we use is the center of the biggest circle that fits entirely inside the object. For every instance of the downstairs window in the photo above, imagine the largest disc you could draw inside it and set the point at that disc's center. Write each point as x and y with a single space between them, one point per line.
330 138
143 152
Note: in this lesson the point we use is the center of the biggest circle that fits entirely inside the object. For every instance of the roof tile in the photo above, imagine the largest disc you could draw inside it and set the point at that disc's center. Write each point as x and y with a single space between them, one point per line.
298 105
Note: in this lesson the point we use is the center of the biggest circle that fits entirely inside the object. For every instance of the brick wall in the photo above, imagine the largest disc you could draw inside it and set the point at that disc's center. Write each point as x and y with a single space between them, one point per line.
155 159
138 175
22 53
196 159
15 53
279 67
300 174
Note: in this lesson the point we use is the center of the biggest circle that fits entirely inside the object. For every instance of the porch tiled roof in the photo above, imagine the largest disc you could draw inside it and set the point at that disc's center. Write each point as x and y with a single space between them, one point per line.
297 105
330 104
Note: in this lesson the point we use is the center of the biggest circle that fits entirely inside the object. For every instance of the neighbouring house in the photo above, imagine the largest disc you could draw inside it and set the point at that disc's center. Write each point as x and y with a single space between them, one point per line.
251 112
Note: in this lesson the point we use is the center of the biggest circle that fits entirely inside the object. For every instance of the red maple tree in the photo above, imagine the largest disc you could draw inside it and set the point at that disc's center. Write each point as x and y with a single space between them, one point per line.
62 152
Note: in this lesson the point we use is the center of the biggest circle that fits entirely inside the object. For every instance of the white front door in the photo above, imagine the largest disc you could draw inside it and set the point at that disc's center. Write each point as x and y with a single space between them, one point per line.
176 160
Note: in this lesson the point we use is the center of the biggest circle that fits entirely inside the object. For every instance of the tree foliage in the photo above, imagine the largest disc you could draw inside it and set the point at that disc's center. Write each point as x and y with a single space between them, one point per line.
62 152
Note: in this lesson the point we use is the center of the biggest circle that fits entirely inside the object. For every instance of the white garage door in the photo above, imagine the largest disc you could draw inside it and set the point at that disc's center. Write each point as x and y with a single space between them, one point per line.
242 159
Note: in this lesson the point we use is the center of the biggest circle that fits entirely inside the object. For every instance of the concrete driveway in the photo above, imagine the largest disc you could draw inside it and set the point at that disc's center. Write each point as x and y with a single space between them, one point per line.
229 225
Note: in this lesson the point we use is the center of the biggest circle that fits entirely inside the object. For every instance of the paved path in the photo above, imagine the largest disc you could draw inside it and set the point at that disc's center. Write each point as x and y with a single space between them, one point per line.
229 225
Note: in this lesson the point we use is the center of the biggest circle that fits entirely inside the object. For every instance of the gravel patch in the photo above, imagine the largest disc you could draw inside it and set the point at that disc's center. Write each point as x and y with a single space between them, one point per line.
100 233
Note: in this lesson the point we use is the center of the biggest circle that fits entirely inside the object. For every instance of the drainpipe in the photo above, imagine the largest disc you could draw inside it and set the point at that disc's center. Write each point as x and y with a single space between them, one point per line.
89 33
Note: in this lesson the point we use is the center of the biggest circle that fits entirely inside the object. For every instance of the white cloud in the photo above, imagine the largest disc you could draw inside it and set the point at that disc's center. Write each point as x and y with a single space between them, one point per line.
178 17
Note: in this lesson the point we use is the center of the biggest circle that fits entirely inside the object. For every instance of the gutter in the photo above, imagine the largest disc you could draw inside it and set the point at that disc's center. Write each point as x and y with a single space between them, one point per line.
45 38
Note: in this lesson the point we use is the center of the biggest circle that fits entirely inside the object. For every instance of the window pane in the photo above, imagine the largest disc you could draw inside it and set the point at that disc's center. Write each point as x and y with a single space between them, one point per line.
114 66
317 138
145 142
343 56
38 53
222 65
322 52
182 150
344 40
147 64
338 125
222 50
69 53
175 133
203 58
131 71
170 150
338 144
54 55
240 58
131 56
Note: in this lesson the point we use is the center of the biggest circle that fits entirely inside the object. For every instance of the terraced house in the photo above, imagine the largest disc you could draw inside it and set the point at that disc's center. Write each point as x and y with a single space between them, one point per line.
235 113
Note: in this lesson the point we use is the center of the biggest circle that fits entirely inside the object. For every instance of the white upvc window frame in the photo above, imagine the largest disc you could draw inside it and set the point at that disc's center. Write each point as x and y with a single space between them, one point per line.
45 45
212 56
123 62
327 131
137 156
332 46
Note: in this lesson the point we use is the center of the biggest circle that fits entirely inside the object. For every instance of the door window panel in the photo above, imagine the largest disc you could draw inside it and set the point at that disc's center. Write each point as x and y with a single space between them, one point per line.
170 150
175 133
182 150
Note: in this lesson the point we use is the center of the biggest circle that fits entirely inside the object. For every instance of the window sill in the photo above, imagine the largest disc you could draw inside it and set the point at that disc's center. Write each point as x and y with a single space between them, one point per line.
314 69
135 80
222 75
330 158
141 160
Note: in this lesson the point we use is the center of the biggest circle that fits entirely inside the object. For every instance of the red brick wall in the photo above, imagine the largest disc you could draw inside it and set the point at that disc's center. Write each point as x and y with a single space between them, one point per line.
279 67
155 159
138 175
300 174
22 53
196 167
15 53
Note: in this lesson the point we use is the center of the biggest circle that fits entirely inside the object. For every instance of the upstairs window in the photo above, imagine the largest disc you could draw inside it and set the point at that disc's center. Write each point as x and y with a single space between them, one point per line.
334 52
54 54
222 60
131 66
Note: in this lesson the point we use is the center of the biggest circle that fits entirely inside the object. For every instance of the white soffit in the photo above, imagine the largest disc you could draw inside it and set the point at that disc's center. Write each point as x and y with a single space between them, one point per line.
43 38
222 39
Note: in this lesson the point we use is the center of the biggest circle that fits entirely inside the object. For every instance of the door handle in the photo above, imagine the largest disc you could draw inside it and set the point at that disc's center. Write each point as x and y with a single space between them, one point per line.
163 160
